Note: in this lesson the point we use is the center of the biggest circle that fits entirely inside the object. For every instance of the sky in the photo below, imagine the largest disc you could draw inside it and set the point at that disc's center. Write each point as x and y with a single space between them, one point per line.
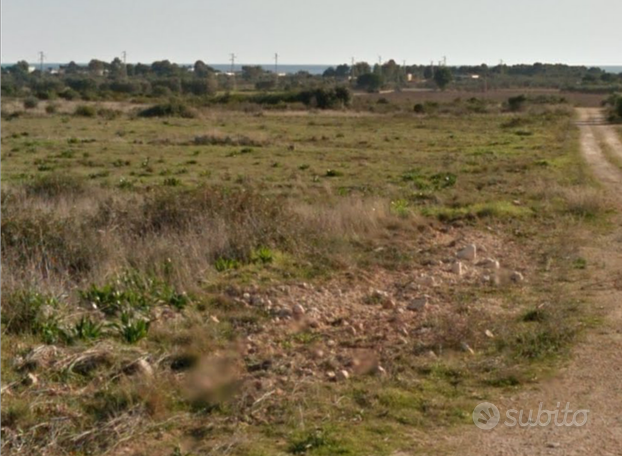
583 32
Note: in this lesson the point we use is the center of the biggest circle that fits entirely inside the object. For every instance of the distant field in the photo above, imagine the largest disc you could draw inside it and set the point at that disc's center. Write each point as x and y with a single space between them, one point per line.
358 152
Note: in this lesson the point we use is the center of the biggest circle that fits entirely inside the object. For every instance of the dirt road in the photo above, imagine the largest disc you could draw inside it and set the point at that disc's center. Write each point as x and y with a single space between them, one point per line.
593 378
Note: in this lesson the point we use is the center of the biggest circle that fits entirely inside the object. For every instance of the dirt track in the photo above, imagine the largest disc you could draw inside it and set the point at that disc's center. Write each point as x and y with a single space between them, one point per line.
593 378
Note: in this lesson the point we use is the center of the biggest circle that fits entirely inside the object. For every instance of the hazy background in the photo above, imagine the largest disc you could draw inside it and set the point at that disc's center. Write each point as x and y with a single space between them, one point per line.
315 31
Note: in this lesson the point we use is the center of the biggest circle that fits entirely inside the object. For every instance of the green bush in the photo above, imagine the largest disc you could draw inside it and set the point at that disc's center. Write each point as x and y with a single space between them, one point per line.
85 111
517 103
170 109
31 102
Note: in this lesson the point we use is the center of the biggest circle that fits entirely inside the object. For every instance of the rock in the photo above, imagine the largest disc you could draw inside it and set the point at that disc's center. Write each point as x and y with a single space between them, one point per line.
432 355
247 297
468 253
140 367
214 318
298 311
31 379
284 312
517 277
467 348
553 445
489 334
331 375
257 301
381 371
490 263
458 269
429 281
389 304
419 304
343 375
144 368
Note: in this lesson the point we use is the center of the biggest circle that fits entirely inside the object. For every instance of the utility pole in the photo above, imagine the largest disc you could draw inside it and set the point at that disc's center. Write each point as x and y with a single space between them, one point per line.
444 61
232 58
276 64
41 60
124 55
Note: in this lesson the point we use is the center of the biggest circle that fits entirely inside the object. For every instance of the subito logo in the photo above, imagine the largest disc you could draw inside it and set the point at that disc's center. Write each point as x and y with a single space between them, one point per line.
486 416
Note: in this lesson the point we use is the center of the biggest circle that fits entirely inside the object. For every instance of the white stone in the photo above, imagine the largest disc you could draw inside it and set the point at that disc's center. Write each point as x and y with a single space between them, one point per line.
458 268
468 253
517 277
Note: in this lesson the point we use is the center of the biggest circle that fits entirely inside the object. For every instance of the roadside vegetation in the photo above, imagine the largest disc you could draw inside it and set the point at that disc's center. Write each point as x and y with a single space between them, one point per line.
188 280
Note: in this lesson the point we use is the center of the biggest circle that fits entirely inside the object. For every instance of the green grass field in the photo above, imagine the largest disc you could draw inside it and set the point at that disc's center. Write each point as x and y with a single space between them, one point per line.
182 243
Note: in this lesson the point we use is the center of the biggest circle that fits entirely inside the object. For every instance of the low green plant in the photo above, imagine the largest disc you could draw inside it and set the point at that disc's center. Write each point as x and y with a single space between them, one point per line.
131 329
263 255
225 264
87 329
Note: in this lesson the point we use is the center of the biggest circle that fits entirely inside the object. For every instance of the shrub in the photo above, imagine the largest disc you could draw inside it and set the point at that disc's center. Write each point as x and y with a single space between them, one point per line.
85 111
51 108
326 98
31 103
517 103
170 109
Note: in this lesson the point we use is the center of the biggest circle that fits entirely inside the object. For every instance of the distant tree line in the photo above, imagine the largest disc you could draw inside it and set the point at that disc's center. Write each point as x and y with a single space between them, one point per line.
392 75
115 80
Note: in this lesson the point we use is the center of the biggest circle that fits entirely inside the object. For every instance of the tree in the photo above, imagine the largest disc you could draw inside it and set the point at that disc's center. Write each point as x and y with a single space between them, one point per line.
97 67
20 68
252 72
372 82
428 73
201 69
442 77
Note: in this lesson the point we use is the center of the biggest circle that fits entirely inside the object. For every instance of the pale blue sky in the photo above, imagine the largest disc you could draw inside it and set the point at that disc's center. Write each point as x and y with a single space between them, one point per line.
315 31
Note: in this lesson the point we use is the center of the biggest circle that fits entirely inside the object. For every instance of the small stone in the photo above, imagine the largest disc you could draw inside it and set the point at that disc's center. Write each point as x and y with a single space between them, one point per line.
144 368
31 379
246 297
331 375
298 311
428 281
381 371
432 355
489 334
284 312
343 375
490 263
553 445
467 348
389 304
419 303
517 277
214 318
468 253
458 268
